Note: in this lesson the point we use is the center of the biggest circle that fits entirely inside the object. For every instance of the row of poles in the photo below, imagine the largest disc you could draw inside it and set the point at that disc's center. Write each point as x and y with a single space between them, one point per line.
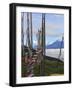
30 41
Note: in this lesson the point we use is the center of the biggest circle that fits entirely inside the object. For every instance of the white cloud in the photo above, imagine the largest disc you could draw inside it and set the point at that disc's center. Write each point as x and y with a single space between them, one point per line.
58 15
51 26
35 42
53 30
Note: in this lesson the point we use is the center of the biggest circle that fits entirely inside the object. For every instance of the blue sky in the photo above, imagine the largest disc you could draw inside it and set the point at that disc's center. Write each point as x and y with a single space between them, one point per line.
54 27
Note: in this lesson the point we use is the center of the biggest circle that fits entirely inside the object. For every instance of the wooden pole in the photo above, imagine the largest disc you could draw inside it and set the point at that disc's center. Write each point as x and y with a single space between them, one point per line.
60 52
22 32
61 47
42 68
28 37
31 29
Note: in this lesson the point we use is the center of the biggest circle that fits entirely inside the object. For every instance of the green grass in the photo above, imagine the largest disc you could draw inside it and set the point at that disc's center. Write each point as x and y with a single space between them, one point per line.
51 67
23 69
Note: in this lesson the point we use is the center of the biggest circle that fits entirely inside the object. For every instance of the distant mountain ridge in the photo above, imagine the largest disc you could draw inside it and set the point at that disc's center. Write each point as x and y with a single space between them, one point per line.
57 44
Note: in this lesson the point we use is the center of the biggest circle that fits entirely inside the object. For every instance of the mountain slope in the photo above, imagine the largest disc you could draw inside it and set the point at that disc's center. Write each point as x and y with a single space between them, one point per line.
57 44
